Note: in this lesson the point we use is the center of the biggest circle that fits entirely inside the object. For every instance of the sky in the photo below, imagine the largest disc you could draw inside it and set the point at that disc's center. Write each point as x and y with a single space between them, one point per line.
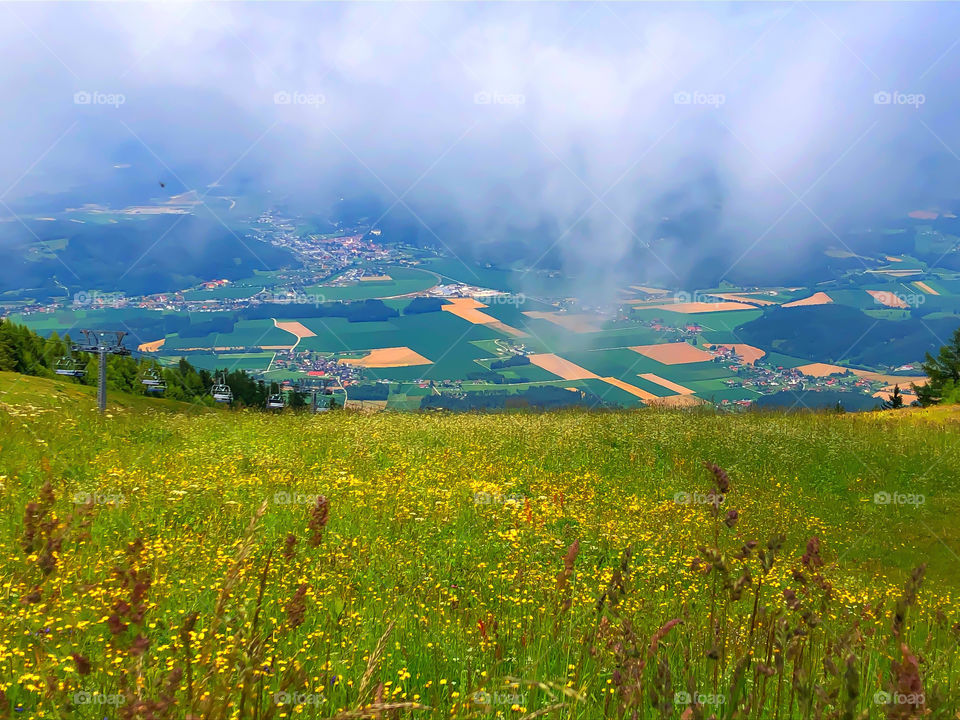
597 137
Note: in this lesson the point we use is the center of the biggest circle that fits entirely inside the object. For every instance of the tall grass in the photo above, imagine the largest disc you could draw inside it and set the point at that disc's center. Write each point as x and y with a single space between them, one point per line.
567 565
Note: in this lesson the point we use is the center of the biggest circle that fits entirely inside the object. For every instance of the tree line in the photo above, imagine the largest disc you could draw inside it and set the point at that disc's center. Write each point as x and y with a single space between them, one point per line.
24 351
944 373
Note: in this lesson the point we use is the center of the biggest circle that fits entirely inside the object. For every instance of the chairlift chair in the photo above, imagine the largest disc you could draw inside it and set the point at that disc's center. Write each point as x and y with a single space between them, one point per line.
68 366
153 381
220 391
276 402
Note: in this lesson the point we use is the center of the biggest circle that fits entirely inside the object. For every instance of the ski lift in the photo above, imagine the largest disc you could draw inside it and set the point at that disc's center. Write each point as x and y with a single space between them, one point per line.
276 402
153 381
221 391
68 366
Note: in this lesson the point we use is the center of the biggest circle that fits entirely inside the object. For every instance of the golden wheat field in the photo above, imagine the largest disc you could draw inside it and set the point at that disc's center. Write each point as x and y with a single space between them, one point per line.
181 563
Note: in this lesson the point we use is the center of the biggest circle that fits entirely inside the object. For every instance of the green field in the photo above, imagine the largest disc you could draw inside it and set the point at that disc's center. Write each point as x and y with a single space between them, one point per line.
46 249
441 337
459 566
231 361
242 288
620 363
854 329
246 333
533 283
403 280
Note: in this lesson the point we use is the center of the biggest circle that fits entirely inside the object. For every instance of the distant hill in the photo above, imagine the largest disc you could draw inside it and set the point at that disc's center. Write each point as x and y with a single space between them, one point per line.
136 255
834 332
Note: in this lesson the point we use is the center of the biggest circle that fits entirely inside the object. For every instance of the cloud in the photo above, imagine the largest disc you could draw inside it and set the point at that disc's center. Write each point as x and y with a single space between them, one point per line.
644 139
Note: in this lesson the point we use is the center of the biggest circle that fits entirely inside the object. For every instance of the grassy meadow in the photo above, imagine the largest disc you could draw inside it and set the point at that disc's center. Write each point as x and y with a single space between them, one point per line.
166 561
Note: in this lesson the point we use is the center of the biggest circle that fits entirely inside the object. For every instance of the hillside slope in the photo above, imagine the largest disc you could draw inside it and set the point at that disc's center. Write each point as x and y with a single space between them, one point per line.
469 564
19 391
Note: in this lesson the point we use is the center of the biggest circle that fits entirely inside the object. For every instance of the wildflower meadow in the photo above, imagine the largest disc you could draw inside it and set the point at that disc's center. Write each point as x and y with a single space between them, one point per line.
164 563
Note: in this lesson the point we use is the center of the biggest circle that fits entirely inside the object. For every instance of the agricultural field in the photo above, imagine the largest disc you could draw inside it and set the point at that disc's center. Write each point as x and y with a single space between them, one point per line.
241 288
252 362
395 281
571 564
534 284
245 333
746 341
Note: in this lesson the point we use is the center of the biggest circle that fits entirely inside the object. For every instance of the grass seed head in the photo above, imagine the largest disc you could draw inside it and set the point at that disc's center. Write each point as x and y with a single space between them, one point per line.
297 607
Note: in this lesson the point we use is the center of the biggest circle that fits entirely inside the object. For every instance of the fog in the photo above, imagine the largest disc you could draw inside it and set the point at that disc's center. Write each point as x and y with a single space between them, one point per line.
613 141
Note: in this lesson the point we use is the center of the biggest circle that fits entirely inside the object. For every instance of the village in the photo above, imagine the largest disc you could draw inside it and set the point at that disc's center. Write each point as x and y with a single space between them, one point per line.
339 264
325 254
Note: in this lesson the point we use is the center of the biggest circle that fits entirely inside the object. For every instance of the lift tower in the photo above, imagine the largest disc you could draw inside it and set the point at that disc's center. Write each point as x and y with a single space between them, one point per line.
320 390
102 343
